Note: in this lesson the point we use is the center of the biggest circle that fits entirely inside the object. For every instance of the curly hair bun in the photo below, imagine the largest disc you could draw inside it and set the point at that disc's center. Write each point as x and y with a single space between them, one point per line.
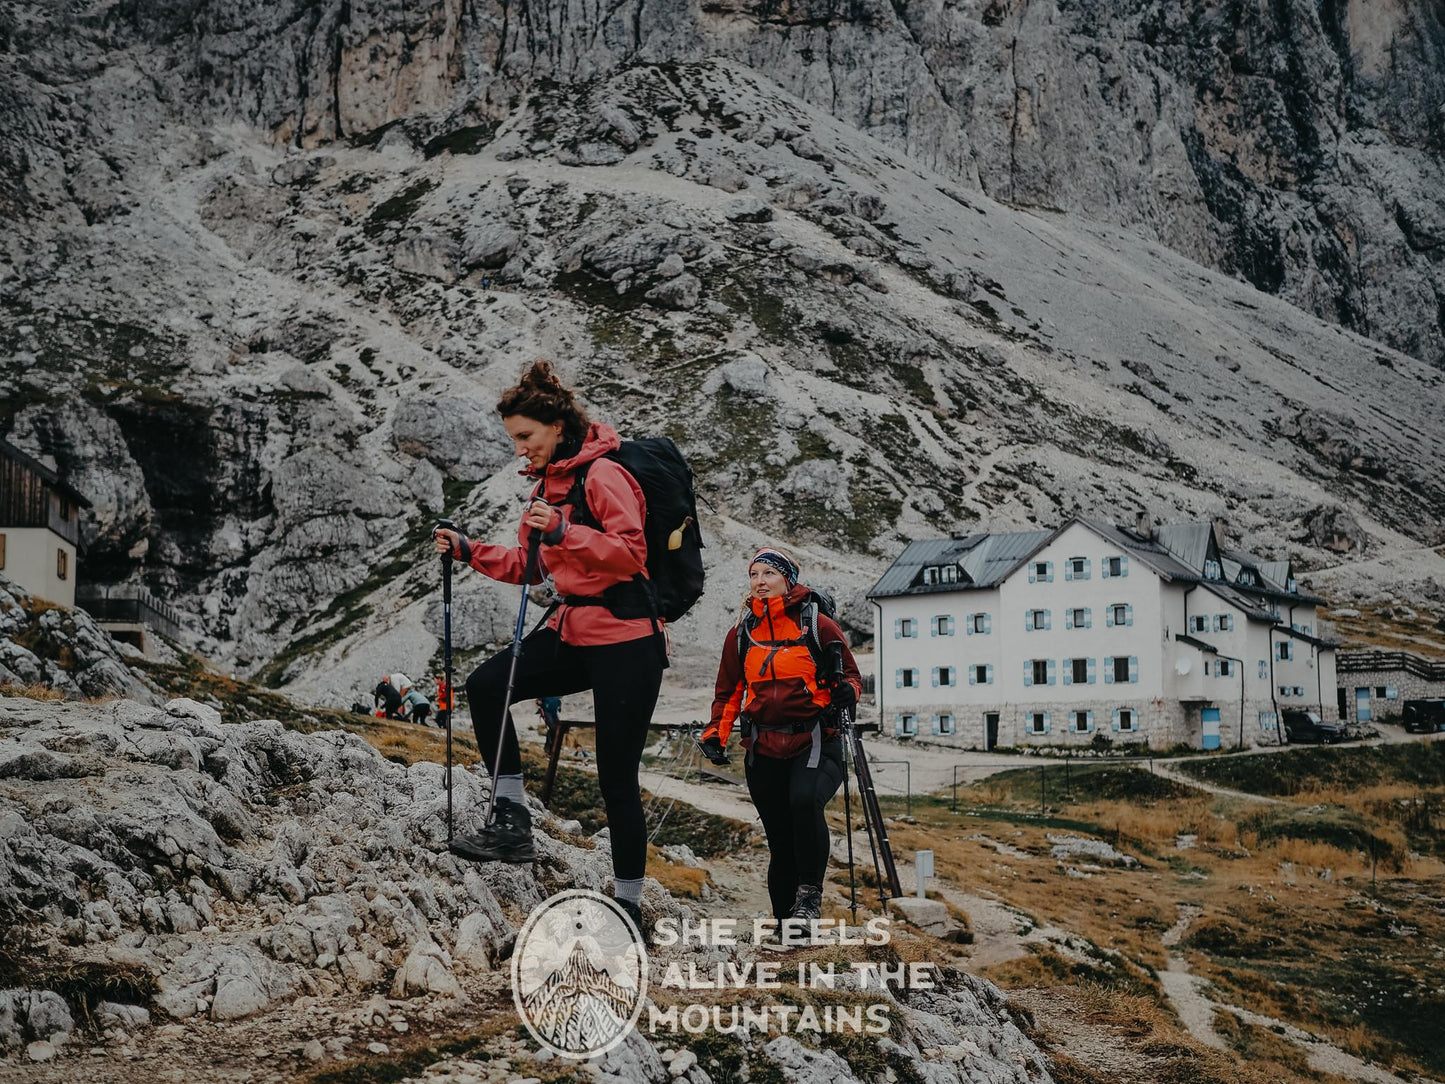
540 395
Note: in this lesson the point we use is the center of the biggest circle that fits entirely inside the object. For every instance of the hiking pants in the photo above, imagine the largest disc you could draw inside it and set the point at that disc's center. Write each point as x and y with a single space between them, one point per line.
624 679
790 798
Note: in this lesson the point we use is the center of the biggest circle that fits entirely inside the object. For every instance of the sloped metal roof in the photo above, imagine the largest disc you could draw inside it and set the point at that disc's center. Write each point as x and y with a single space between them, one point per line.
1147 550
1188 543
900 576
999 554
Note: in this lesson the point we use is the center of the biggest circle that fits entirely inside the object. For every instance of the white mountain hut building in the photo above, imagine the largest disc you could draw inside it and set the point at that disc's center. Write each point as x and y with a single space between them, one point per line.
39 527
1157 635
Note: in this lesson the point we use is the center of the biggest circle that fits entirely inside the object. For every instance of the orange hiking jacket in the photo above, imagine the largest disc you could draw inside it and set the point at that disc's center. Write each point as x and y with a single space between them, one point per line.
776 685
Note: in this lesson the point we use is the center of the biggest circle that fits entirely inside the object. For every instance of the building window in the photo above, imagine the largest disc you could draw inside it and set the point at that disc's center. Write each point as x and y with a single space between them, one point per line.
978 623
907 627
1121 669
942 625
1284 690
1079 671
1083 721
1293 585
1076 568
981 674
1039 722
1040 669
62 564
1199 623
1391 692
1299 690
945 724
1116 566
1284 651
1041 572
908 678
1224 668
1125 718
944 675
1038 619
1268 720
937 574
1120 613
1223 622
1213 570
1080 618
906 725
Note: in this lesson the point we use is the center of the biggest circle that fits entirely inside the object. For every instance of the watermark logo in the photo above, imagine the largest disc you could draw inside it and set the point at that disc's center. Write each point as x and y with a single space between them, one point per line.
579 974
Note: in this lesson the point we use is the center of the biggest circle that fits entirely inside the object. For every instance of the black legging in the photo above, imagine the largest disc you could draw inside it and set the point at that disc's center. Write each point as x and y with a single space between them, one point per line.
624 679
790 798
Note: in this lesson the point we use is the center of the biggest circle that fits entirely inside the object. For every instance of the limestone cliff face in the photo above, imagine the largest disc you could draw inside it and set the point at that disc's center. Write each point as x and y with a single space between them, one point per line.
1297 144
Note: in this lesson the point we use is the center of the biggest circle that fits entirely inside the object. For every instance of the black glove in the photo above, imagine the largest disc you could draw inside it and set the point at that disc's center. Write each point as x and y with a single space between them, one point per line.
713 750
844 696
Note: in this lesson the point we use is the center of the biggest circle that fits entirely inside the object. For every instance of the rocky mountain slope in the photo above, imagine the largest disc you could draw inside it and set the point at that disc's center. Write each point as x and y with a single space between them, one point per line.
260 319
238 901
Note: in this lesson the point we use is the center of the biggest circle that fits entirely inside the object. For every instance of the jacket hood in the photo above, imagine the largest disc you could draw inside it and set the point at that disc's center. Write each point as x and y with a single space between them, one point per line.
600 440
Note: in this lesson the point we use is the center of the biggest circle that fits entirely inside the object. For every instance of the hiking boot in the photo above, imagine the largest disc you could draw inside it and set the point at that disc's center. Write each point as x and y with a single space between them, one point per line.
507 839
808 903
634 912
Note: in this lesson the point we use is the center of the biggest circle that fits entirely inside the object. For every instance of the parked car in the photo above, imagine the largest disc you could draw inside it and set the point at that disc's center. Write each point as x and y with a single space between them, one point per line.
1307 726
1424 716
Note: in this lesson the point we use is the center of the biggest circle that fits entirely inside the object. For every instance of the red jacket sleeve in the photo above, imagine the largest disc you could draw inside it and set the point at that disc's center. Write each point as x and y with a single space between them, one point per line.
619 550
727 698
828 633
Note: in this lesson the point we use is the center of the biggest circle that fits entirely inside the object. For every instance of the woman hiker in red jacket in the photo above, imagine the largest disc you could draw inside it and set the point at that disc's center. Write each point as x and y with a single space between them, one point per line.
584 644
768 683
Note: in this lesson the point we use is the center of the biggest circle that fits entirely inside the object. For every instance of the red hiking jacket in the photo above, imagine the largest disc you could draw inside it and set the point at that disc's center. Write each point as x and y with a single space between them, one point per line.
585 561
776 686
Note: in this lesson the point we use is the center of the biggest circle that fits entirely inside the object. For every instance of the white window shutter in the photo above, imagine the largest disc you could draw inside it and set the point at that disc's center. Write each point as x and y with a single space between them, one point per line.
1048 619
1068 671
1133 668
987 623
1068 619
988 674
1049 666
1116 719
898 679
1088 617
968 624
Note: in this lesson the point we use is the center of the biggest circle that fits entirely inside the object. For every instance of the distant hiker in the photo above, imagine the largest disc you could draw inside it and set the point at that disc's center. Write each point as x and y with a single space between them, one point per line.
386 699
418 705
603 635
444 701
768 684
550 709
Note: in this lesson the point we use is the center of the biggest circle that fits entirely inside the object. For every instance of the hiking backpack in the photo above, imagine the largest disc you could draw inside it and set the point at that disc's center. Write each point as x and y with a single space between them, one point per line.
674 540
817 602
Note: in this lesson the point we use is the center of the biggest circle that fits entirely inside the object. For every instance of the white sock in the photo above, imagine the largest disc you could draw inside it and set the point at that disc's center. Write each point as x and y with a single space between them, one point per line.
629 889
510 787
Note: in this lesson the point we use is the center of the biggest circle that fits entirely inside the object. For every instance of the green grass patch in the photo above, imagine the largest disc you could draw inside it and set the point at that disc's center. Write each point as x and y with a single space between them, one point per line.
1301 770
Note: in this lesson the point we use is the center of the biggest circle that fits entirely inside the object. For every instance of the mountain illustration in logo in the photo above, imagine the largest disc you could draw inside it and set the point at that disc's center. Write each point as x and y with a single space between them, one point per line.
578 1005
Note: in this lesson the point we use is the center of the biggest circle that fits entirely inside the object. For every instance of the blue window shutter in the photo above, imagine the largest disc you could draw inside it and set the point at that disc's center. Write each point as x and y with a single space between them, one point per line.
1033 572
1050 670
1088 617
1048 619
1104 569
1124 565
1028 621
898 724
987 623
1133 668
950 625
1108 669
1091 672
968 624
933 628
1068 619
1216 622
1068 571
1048 724
1048 572
897 628
1116 719
1088 567
1068 671
1091 722
1028 671
988 675
1129 614
898 679
973 675
1109 617
935 677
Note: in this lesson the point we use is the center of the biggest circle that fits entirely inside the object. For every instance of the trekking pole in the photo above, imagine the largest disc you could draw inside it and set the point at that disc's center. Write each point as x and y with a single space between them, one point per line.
848 828
534 544
446 524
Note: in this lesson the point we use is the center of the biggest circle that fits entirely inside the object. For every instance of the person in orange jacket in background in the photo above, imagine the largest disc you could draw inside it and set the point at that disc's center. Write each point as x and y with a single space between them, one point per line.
768 684
443 701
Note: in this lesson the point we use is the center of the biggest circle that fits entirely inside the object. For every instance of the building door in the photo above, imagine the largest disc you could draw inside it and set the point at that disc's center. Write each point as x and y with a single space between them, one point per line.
1344 703
1210 718
1362 705
990 725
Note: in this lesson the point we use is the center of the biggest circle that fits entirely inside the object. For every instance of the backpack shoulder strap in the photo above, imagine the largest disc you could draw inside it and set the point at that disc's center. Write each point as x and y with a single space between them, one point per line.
577 497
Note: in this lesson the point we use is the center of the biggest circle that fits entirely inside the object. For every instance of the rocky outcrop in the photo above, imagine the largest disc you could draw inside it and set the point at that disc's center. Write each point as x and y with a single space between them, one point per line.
245 876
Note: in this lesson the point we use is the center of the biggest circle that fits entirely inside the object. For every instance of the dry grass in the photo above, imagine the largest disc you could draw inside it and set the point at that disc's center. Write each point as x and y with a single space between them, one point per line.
1421 634
31 692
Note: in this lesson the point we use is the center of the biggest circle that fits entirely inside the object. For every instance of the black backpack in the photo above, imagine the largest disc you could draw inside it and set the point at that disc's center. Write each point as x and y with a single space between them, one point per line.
674 572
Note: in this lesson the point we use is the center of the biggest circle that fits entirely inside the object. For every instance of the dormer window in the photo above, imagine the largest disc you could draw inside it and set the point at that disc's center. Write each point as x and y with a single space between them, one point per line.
1247 578
940 574
1213 570
1293 585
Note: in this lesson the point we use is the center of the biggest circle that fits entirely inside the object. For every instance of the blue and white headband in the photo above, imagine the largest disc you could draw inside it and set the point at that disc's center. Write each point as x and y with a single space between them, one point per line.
774 559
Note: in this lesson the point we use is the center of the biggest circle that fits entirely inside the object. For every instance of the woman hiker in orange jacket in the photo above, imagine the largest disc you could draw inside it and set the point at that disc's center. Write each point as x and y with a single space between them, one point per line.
768 684
583 645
